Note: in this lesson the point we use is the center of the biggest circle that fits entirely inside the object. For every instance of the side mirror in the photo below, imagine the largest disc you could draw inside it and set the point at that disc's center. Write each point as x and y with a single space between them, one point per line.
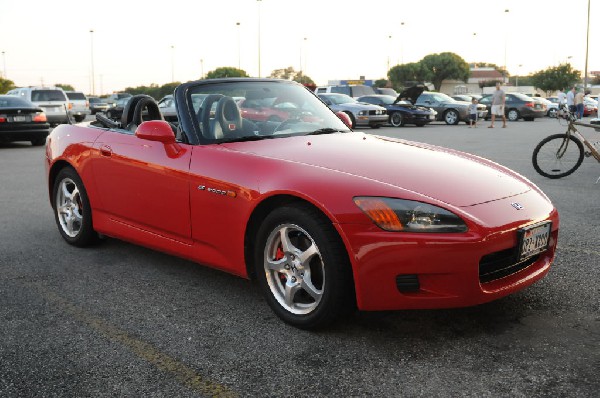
156 130
345 118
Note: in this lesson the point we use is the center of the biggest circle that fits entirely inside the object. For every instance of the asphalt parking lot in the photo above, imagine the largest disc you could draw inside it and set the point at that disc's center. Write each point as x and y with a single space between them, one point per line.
121 320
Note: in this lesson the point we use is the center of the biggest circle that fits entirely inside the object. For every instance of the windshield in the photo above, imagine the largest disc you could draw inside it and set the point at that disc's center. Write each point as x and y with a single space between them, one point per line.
339 99
47 95
441 97
243 109
388 100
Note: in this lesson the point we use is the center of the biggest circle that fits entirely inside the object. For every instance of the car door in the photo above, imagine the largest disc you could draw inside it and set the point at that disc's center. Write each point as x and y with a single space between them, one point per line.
143 184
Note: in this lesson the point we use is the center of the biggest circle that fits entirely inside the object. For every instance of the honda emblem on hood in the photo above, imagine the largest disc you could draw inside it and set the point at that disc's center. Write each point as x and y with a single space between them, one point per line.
517 206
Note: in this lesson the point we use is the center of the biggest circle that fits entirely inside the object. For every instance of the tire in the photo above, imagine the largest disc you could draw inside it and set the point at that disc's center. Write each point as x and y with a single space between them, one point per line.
38 141
352 119
396 119
552 112
72 211
513 115
303 267
546 159
451 117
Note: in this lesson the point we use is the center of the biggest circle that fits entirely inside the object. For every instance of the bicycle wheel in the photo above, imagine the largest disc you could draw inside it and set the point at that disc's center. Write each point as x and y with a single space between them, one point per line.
557 156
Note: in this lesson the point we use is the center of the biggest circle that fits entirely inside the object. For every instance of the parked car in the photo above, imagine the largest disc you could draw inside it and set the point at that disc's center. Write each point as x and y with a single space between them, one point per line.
52 100
466 97
97 105
360 114
590 106
353 91
21 120
80 106
448 110
112 99
401 113
386 91
551 106
324 218
167 108
517 106
116 112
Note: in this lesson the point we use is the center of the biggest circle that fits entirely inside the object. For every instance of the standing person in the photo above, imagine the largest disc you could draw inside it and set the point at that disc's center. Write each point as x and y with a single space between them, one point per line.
571 100
562 99
498 102
473 113
579 104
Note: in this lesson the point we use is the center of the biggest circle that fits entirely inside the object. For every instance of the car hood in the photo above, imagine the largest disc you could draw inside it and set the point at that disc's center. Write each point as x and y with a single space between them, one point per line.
452 177
411 94
360 106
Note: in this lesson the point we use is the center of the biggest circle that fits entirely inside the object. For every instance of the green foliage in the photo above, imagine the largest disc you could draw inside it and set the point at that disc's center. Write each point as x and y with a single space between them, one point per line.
307 81
66 87
381 83
6 85
153 90
520 80
442 66
407 74
226 71
556 77
285 73
596 80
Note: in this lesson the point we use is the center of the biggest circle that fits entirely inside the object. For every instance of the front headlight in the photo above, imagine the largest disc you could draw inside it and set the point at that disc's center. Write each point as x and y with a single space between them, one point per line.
363 113
401 215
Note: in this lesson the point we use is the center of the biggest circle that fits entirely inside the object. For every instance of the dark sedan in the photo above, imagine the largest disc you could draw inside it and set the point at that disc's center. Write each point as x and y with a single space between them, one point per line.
21 120
97 105
401 112
518 106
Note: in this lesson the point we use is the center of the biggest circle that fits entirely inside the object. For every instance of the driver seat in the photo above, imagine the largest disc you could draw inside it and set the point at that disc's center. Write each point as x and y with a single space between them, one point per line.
133 112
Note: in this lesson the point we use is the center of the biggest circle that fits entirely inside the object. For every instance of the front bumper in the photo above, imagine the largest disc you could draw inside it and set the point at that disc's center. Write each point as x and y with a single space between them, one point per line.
369 120
450 268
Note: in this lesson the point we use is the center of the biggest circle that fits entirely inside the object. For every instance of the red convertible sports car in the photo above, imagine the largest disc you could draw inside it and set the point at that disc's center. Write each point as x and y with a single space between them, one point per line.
326 219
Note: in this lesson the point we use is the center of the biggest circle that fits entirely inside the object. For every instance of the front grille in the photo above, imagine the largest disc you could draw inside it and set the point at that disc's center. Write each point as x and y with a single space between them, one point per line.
497 265
377 112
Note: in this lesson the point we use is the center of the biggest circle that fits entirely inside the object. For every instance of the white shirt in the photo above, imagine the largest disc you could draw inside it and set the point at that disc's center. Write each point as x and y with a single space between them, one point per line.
570 98
562 98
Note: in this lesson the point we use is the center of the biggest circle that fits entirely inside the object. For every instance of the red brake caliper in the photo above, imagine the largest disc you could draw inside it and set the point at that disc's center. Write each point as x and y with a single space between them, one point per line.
278 256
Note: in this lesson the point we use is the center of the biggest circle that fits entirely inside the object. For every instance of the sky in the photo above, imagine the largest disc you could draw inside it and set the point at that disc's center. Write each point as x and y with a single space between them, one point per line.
144 42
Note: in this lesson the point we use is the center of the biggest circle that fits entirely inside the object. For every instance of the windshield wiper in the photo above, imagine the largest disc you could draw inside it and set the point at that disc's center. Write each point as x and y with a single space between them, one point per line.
326 130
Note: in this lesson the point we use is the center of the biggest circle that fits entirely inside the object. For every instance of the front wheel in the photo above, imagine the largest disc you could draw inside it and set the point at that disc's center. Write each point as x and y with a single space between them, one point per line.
303 267
396 119
72 209
557 156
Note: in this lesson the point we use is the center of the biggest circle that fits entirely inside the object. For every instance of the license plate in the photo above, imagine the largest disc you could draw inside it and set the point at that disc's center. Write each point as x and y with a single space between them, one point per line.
19 118
534 240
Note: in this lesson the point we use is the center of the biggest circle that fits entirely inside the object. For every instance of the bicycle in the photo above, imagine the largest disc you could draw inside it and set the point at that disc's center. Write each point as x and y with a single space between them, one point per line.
559 155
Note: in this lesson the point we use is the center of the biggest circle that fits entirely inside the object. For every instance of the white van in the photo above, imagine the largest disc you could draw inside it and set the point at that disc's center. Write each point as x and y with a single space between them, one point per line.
52 100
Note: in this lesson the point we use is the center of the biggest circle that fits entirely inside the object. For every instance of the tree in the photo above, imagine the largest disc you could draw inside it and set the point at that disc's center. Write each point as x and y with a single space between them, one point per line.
6 85
153 90
66 87
444 66
226 71
286 73
407 74
381 83
555 78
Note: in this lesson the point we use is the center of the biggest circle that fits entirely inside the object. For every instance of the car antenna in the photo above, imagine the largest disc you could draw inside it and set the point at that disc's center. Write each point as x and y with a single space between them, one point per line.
67 112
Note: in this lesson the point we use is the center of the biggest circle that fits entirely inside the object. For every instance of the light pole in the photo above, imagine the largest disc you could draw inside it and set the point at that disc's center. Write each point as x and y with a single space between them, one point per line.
92 56
389 50
303 49
202 68
258 2
239 46
172 64
517 77
4 64
587 46
402 42
505 45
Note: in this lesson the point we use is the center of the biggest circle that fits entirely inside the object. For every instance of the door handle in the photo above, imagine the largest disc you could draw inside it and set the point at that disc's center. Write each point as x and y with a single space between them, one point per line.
106 150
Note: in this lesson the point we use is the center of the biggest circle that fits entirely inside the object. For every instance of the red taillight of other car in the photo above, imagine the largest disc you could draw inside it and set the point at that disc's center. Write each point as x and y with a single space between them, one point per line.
40 117
2 119
529 104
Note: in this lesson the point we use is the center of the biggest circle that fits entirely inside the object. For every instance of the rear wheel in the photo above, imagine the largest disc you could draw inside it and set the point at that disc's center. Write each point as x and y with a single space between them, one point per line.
451 117
303 267
513 115
552 112
557 156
